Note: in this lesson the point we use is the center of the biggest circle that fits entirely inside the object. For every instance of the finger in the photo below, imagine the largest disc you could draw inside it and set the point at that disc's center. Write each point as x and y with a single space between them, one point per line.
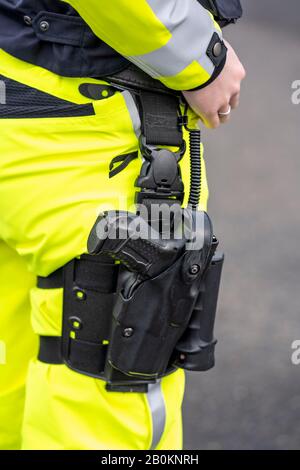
235 101
211 121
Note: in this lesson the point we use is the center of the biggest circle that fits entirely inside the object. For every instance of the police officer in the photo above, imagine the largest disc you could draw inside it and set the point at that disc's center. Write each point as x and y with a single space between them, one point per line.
56 146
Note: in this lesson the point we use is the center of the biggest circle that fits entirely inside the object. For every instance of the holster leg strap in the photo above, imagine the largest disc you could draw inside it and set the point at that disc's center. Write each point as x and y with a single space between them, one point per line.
50 350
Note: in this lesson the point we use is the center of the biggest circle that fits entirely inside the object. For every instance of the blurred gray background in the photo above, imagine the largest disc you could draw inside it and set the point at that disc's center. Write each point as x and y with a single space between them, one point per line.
251 400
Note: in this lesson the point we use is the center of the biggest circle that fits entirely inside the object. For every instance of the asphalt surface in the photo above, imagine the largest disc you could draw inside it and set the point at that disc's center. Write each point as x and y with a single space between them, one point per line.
251 400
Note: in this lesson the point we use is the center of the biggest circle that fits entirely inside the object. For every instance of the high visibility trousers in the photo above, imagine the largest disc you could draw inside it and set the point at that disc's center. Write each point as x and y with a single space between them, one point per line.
56 146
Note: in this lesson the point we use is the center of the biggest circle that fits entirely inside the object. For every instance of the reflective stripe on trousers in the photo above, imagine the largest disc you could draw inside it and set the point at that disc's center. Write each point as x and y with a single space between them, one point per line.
158 412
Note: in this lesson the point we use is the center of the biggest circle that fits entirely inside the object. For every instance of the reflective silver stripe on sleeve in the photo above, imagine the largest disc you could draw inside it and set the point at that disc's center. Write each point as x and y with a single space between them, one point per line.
157 406
191 34
134 112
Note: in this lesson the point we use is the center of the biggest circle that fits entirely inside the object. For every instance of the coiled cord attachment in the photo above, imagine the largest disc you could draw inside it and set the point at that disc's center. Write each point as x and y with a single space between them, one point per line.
195 168
195 149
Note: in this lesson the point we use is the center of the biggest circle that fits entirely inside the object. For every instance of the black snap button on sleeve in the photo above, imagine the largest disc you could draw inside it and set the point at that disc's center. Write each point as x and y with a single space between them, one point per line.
217 49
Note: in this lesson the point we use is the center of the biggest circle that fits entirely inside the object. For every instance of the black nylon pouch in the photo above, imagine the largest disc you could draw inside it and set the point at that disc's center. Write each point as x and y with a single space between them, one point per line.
89 288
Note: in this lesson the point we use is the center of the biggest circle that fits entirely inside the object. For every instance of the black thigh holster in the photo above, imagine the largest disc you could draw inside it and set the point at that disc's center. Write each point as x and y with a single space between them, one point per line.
131 340
132 336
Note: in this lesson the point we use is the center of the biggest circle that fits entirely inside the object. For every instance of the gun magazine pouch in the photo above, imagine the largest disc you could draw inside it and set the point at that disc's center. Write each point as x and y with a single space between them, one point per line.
195 350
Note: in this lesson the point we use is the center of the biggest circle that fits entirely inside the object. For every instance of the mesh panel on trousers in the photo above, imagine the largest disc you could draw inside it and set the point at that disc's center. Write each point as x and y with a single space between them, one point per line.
22 101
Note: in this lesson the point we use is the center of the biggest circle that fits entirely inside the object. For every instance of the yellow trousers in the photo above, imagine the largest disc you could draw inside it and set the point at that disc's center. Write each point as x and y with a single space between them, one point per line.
53 183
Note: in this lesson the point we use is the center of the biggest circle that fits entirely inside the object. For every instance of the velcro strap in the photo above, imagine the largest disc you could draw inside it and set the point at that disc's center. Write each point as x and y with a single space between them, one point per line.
50 350
53 281
97 273
87 356
160 119
84 355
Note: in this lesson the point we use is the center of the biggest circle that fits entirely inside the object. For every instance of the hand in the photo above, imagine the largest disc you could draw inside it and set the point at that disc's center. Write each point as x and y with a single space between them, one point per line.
221 95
